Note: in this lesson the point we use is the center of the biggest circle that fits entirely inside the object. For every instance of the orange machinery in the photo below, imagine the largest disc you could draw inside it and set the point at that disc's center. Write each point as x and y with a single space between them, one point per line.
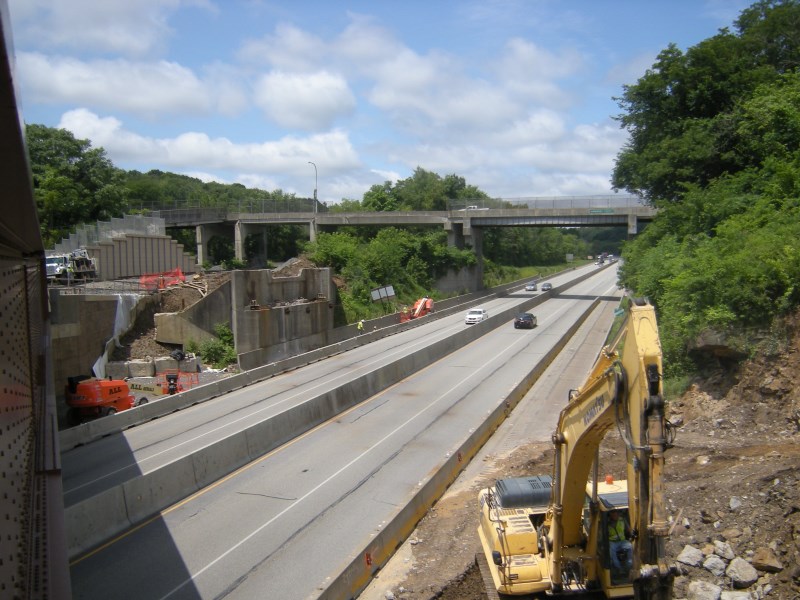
421 307
90 398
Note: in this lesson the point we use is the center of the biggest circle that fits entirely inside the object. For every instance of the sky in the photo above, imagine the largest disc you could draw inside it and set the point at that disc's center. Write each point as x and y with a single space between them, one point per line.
515 96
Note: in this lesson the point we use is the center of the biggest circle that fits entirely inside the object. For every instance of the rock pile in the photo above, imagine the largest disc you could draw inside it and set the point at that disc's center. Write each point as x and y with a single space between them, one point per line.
732 577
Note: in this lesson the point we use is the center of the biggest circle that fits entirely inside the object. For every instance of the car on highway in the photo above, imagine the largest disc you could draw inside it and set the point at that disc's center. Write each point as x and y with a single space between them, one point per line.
524 321
531 287
547 287
476 315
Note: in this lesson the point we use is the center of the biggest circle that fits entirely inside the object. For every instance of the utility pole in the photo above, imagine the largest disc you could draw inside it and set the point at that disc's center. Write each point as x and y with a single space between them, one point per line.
315 185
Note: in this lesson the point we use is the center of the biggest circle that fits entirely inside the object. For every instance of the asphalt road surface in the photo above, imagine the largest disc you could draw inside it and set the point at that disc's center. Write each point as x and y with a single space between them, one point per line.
285 525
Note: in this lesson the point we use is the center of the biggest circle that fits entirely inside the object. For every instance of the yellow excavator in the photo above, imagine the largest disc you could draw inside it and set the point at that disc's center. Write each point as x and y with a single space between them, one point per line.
570 533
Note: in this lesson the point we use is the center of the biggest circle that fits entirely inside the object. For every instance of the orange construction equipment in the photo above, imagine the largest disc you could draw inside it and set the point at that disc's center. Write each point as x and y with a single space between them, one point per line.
90 398
159 281
173 381
422 307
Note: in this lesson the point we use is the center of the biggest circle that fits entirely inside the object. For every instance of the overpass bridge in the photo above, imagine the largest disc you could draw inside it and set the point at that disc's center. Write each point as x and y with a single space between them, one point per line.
464 223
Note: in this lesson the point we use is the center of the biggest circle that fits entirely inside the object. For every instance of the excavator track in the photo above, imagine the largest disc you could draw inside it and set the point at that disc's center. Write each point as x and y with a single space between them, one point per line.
486 576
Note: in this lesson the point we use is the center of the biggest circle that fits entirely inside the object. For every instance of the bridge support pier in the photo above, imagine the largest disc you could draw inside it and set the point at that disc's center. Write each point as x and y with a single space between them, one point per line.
204 233
473 236
633 225
461 235
239 235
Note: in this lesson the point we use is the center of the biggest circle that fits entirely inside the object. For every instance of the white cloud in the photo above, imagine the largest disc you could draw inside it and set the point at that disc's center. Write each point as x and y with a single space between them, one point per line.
130 28
366 46
531 73
141 88
308 102
540 126
194 150
288 49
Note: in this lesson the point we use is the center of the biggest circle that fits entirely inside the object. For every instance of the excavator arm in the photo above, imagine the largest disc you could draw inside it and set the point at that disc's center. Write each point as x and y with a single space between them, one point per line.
550 533
622 390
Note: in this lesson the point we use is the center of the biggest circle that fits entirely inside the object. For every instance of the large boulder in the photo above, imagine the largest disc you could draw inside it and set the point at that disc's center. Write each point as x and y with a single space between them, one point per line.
142 368
742 573
703 590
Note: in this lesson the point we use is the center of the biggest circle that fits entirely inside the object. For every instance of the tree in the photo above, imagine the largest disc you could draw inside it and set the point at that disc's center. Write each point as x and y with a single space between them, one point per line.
679 114
380 198
715 143
72 182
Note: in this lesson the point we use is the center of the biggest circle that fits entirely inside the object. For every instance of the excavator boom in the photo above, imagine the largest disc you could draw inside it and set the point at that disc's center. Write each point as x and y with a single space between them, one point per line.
568 547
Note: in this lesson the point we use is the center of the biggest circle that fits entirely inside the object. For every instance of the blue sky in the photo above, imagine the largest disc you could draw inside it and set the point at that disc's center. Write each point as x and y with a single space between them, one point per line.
516 96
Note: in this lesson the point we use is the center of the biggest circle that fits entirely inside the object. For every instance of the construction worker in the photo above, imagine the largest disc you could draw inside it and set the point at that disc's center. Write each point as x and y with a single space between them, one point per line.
361 327
618 534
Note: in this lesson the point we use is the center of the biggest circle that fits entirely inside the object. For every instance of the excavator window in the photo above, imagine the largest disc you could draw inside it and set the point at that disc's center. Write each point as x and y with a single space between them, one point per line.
619 568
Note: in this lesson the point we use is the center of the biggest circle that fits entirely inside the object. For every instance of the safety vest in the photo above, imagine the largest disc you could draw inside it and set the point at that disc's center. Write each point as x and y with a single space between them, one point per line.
616 531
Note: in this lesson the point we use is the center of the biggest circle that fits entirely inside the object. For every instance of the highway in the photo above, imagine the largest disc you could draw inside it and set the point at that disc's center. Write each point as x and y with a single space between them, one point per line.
286 525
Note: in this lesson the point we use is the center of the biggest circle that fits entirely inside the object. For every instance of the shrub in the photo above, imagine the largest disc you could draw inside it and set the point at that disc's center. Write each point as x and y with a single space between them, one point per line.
219 352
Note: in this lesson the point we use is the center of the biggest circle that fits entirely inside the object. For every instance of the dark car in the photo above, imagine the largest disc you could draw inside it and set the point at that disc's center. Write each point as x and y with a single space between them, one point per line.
547 286
524 321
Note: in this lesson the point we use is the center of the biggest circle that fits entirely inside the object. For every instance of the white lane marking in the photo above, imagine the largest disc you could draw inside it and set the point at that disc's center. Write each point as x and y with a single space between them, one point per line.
511 348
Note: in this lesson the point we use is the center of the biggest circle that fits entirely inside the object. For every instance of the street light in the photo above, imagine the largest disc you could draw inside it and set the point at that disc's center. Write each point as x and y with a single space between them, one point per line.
315 185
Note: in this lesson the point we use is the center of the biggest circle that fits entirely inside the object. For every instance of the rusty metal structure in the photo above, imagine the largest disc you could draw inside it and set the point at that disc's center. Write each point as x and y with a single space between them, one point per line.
33 564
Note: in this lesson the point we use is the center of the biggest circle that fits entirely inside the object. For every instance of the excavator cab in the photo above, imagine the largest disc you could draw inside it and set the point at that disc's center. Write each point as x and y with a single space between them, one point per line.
614 549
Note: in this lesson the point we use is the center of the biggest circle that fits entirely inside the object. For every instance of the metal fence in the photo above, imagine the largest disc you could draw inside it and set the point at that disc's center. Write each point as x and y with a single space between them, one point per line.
307 205
554 202
90 235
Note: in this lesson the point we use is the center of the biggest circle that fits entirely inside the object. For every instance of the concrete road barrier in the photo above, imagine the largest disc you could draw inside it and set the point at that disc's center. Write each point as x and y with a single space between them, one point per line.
357 575
148 494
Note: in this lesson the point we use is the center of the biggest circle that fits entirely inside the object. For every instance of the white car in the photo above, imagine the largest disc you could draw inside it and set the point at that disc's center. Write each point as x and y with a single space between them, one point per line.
476 315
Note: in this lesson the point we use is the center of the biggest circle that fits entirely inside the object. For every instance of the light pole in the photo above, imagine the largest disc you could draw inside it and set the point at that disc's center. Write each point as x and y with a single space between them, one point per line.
315 185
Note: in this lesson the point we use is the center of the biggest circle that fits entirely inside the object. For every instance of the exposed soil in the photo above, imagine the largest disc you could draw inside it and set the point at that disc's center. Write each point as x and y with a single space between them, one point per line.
140 340
733 476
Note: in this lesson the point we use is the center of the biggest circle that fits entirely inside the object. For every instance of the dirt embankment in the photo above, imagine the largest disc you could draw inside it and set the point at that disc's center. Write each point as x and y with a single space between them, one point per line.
140 340
733 482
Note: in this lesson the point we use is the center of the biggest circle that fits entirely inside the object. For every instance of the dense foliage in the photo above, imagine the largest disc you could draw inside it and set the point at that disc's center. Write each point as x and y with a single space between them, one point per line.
72 182
76 184
715 143
407 260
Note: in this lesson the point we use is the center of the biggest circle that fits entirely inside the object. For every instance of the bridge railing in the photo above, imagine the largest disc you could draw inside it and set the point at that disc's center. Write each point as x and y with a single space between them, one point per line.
554 202
252 205
188 210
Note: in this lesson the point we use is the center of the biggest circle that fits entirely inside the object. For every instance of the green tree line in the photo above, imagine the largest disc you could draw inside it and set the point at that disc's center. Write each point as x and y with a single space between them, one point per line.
715 144
75 184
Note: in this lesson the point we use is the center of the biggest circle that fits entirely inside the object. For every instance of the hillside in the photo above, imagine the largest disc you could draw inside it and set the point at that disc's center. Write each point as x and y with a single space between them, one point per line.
733 489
